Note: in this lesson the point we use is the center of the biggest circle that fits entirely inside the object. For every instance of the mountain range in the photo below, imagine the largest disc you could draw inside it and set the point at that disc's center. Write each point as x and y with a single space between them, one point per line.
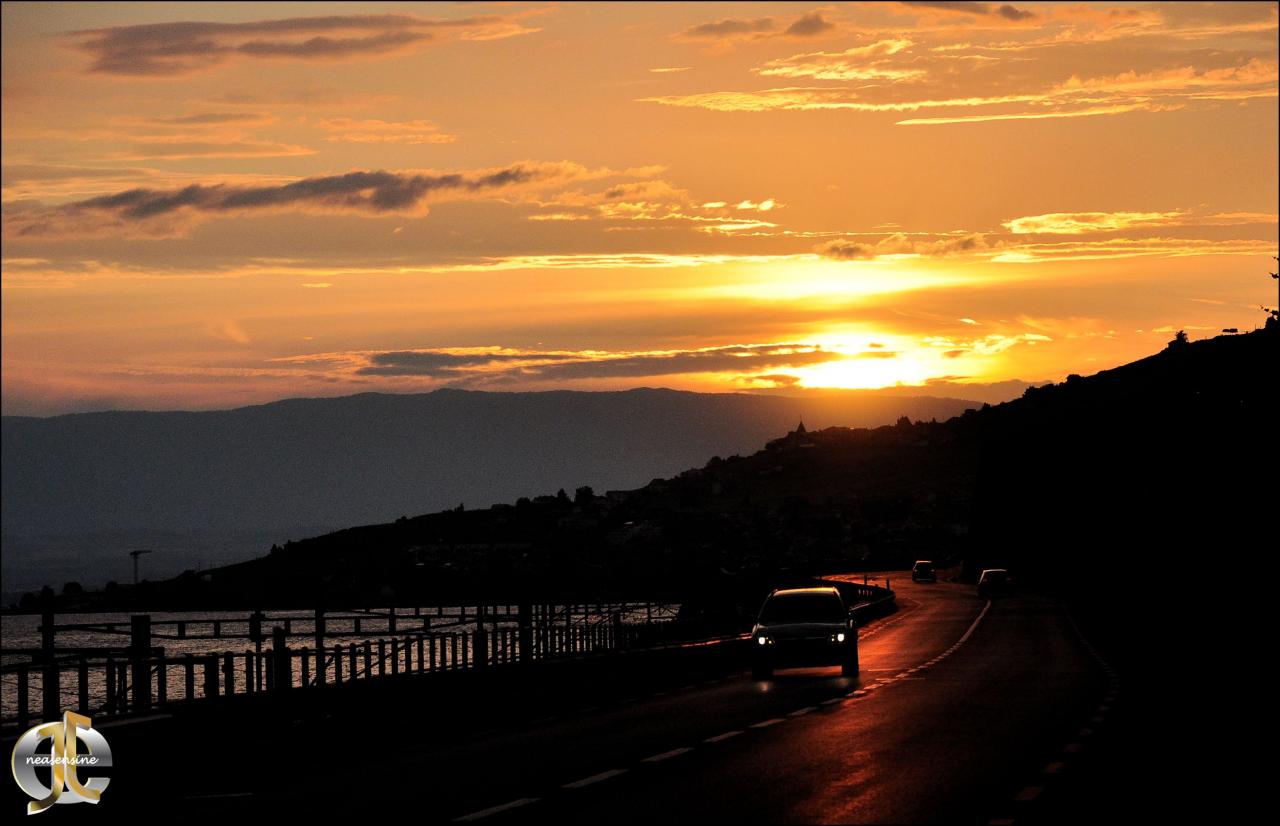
206 488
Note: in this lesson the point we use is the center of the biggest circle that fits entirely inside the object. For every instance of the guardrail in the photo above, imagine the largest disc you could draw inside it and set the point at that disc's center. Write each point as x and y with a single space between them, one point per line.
140 678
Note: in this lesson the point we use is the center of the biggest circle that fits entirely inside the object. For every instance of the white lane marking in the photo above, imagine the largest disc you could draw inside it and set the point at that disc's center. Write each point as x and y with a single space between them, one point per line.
720 737
832 701
1074 748
493 810
595 778
1029 793
666 755
1054 768
973 627
766 723
800 712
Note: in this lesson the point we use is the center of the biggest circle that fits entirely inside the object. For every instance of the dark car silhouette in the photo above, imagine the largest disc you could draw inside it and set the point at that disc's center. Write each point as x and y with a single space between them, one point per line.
994 582
923 571
804 626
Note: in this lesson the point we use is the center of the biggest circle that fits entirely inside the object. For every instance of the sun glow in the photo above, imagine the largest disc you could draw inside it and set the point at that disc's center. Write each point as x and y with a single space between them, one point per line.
857 373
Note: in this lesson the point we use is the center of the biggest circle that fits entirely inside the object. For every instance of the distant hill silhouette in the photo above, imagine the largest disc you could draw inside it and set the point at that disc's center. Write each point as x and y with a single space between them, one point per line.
211 487
1133 476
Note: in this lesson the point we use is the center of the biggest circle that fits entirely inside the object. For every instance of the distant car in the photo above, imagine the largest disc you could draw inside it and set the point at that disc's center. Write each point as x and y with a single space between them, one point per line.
923 571
993 582
804 626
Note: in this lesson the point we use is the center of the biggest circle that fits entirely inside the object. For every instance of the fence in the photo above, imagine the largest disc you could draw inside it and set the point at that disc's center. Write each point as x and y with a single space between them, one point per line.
141 677
111 681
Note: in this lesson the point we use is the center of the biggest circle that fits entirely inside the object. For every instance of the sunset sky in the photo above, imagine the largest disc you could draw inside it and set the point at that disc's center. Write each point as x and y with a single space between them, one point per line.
214 204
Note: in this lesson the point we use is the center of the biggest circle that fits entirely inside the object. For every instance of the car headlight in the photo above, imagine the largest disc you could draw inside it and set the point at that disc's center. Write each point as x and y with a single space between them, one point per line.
763 640
838 636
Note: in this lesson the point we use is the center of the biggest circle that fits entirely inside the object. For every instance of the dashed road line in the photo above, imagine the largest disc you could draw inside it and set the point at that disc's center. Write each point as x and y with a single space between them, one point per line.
1028 794
493 810
666 755
719 738
593 779
766 723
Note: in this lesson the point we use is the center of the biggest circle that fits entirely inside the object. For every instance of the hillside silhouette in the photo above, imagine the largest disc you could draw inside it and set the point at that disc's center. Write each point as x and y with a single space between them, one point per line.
1089 485
207 488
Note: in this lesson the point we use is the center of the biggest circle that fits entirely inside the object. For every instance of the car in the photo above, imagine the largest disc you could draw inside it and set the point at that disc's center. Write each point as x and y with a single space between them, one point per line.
923 571
993 582
804 626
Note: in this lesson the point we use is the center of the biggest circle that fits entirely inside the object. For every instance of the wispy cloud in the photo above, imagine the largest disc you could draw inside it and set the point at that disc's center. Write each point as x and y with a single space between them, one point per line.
1076 97
166 212
730 30
1079 223
166 49
889 72
211 118
372 130
998 11
493 362
1076 223
899 244
160 149
857 63
1117 248
809 25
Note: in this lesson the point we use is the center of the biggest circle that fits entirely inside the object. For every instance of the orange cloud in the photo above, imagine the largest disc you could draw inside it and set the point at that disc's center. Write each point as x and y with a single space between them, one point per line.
1078 223
858 63
166 49
373 130
900 244
150 212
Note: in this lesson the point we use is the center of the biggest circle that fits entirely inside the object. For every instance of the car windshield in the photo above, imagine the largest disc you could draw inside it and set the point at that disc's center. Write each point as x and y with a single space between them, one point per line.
993 576
924 568
785 608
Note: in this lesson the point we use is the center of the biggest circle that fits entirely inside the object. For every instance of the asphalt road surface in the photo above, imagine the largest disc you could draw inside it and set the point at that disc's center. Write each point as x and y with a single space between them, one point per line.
964 712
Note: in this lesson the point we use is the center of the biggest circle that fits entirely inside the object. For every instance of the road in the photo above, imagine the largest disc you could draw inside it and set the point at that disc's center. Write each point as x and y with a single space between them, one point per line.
965 711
